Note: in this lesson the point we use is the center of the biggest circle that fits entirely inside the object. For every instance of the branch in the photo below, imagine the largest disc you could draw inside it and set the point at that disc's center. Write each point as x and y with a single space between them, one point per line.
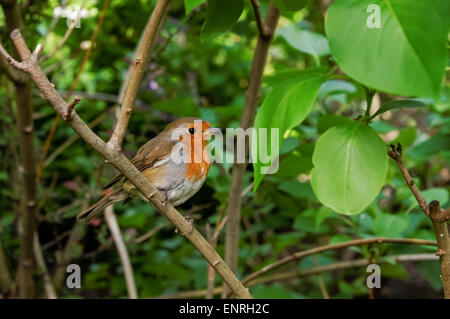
27 171
437 215
132 174
5 277
42 268
113 226
357 242
12 73
264 31
248 116
141 60
396 154
307 272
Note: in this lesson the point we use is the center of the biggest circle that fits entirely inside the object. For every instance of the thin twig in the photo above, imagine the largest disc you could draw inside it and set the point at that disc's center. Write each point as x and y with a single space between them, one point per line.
287 275
396 154
357 242
48 285
119 160
263 30
141 60
113 226
437 215
323 288
248 116
70 107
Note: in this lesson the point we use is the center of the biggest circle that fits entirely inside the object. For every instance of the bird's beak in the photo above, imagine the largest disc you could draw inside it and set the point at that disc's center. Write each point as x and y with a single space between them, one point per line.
211 131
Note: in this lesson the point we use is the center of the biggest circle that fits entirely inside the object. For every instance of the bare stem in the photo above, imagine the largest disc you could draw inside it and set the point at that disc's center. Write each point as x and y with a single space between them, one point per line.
437 215
248 116
357 242
292 274
42 268
141 60
263 30
113 226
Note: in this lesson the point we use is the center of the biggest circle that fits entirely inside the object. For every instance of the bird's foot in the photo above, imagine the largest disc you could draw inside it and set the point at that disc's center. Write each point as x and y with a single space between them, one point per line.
165 198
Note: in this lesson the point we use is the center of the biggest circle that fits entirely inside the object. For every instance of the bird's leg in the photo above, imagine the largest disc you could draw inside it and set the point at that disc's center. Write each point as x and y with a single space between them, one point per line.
165 197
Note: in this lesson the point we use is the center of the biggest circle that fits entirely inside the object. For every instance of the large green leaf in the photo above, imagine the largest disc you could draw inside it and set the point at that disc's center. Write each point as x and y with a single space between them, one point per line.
220 16
305 41
189 5
350 165
290 5
389 225
406 55
285 107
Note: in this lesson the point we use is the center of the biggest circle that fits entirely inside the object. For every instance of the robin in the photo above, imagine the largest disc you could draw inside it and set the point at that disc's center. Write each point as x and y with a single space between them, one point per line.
174 162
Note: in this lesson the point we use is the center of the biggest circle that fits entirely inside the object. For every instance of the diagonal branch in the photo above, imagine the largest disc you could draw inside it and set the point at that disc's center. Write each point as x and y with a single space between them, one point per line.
437 215
119 160
141 60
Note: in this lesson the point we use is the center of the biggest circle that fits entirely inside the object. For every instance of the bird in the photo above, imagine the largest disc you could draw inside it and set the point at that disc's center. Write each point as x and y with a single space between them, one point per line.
174 162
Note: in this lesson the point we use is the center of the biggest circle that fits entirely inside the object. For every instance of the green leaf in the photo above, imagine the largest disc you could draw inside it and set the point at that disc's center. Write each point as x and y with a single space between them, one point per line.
329 120
290 5
406 54
297 189
220 16
305 41
189 5
398 104
350 165
285 107
439 194
388 225
430 147
322 213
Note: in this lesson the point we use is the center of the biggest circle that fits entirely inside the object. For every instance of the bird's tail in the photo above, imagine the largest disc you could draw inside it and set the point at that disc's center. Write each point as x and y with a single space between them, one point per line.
89 213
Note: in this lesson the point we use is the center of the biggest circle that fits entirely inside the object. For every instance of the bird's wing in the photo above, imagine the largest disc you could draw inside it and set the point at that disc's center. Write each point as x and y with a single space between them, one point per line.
151 154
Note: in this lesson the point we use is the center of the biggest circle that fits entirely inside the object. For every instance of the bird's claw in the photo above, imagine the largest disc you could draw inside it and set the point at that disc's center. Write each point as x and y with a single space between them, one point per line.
165 198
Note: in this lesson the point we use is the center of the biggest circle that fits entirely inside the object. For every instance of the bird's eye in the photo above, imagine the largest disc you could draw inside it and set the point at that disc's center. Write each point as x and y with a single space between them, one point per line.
192 130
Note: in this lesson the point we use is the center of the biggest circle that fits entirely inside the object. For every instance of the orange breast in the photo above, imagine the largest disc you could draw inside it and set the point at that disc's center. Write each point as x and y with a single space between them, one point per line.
197 170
